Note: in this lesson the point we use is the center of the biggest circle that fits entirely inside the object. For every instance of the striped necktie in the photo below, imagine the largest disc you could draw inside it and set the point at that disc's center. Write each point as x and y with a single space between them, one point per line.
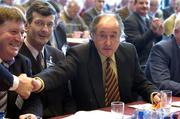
3 101
111 84
40 60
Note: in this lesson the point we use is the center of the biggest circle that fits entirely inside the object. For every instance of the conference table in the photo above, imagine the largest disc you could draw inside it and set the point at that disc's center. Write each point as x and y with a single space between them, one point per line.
128 110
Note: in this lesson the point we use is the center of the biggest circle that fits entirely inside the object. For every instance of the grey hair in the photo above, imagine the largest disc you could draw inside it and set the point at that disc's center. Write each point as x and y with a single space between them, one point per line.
96 20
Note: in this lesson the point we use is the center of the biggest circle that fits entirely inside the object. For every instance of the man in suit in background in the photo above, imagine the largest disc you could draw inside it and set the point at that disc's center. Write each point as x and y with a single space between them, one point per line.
126 9
85 66
169 10
91 13
141 31
11 39
169 22
39 28
163 65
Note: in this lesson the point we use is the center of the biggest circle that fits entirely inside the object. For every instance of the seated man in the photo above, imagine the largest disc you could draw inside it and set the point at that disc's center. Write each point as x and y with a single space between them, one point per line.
93 66
39 28
75 25
11 39
163 64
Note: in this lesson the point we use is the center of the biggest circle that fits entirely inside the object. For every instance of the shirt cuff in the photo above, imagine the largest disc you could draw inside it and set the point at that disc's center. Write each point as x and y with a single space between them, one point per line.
15 83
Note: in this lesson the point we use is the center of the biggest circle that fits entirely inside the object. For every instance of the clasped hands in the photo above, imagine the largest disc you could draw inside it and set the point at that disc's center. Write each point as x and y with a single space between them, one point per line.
26 86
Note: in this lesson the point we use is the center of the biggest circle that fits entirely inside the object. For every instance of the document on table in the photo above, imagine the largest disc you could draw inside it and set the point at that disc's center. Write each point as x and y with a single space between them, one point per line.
95 114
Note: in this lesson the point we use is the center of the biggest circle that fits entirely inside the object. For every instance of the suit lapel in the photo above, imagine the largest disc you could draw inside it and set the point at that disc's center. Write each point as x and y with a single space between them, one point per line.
96 79
25 51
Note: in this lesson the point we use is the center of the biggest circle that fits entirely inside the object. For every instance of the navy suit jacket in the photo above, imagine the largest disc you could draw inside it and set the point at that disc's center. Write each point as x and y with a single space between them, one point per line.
6 79
58 100
83 67
140 35
21 65
163 66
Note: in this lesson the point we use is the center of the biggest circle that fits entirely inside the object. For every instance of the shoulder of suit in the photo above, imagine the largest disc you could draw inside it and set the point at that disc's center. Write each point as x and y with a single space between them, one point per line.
50 48
126 45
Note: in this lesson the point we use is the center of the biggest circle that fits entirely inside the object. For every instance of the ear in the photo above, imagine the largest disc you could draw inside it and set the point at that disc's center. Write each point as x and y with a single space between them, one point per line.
91 35
26 26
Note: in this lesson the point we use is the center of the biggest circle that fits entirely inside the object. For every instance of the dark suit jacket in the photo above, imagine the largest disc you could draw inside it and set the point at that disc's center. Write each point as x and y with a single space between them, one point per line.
167 12
163 65
123 13
6 79
56 101
83 67
21 65
89 15
140 35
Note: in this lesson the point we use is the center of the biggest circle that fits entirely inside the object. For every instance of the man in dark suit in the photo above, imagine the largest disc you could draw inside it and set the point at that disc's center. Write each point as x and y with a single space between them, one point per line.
163 64
91 13
11 39
141 32
39 28
170 9
85 66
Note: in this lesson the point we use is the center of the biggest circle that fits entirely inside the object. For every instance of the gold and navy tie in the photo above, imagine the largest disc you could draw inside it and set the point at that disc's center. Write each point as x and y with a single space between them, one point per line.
111 84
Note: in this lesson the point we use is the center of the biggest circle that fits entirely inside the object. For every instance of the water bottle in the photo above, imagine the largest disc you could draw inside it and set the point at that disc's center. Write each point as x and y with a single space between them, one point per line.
1 115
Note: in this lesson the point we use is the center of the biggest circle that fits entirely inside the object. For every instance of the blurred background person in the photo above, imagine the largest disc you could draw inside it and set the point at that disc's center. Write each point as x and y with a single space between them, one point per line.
74 24
154 10
87 5
142 31
170 9
91 13
127 7
169 22
163 65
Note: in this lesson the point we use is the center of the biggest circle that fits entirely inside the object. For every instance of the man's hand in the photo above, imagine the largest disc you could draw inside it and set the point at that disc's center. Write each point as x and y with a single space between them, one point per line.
157 26
25 86
157 98
37 84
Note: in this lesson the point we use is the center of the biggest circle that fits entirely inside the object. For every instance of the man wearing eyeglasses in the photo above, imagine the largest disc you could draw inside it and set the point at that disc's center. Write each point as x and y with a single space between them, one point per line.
86 66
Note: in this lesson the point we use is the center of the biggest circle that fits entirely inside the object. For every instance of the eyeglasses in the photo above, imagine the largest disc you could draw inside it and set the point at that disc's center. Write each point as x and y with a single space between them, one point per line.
41 24
104 37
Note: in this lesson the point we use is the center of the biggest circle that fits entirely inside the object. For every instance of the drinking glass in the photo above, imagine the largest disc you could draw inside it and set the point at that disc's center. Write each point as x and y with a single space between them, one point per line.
117 109
166 99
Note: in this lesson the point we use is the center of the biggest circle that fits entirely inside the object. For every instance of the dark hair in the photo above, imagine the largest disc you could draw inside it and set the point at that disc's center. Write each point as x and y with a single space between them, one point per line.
55 5
41 7
8 13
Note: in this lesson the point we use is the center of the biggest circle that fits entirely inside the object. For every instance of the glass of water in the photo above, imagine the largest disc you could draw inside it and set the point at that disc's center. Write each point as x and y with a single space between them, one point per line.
117 109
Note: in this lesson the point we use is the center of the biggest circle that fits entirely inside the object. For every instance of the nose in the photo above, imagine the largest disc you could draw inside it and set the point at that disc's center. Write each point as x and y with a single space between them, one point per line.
45 28
108 41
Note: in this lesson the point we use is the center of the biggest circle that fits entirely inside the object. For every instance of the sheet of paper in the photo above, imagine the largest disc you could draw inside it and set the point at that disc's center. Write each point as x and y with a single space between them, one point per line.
141 106
95 114
176 104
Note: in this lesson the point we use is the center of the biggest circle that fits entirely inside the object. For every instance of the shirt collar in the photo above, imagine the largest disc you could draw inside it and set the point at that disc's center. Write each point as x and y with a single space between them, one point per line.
32 49
103 58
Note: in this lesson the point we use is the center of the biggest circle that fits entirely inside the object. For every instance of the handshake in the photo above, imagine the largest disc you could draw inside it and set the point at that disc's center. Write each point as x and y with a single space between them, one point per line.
27 85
